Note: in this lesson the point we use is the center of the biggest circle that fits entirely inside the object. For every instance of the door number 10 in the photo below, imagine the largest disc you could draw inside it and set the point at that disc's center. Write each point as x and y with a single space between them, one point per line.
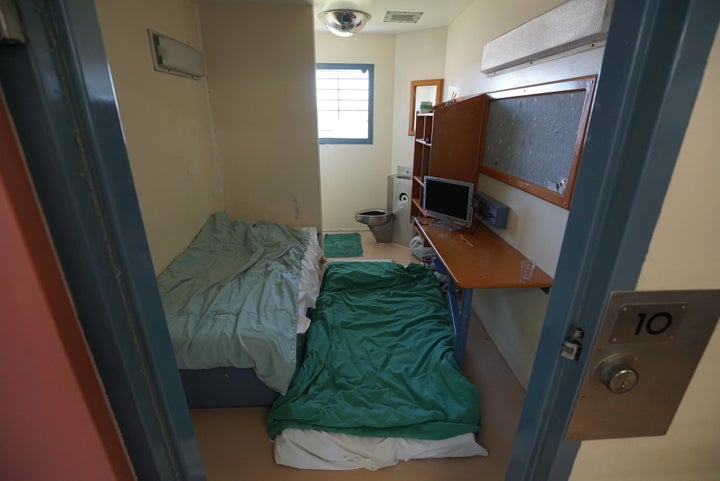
656 324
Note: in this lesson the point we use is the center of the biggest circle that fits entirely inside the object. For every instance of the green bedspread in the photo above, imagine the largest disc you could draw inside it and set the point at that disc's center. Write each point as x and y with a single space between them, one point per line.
230 298
379 359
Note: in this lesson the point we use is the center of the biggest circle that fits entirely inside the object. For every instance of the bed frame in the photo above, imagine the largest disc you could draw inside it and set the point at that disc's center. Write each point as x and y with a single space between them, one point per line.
218 383
225 387
230 387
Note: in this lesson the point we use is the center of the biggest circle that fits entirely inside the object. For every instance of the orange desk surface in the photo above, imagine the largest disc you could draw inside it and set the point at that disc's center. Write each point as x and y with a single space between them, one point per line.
479 260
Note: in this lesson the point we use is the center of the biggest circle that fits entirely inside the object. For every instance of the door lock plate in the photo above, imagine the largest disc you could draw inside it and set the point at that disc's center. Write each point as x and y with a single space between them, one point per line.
643 358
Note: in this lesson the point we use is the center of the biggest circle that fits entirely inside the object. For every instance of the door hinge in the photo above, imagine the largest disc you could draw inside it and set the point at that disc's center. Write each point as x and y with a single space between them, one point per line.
572 346
11 28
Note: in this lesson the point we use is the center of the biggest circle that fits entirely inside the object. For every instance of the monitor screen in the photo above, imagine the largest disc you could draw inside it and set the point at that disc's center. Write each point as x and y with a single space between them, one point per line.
448 200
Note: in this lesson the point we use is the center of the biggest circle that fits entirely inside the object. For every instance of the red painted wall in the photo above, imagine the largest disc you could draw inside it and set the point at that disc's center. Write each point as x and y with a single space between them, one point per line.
55 423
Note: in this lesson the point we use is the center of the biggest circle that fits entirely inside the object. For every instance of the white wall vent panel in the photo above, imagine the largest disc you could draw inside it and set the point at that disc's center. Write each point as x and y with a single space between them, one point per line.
175 57
573 25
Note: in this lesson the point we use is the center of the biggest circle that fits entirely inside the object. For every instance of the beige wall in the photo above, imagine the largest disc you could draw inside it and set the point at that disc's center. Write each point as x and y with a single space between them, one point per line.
262 92
354 177
682 255
418 56
535 227
166 123
513 317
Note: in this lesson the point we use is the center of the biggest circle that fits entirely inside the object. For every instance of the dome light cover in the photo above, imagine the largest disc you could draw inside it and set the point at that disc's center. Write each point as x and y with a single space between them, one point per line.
344 23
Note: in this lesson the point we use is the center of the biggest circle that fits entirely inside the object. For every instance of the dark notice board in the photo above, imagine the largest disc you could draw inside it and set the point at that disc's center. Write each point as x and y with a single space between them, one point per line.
533 137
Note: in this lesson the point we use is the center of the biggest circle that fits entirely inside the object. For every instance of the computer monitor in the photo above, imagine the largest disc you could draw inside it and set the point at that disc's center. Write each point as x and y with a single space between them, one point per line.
450 201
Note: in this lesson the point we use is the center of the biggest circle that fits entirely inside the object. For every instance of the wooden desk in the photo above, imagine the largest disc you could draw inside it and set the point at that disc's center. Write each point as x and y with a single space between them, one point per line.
479 260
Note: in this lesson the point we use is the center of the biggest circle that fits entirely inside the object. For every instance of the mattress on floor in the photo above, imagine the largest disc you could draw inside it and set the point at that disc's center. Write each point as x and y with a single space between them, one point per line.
379 360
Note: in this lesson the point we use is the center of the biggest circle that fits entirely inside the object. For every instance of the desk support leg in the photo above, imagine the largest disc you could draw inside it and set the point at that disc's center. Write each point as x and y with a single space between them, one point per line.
460 314
461 321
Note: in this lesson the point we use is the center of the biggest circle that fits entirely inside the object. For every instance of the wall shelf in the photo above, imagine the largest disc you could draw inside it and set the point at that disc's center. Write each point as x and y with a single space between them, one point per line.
447 143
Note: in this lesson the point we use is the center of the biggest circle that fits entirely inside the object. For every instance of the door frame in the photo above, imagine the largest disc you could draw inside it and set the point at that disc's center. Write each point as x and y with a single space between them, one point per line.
60 94
61 98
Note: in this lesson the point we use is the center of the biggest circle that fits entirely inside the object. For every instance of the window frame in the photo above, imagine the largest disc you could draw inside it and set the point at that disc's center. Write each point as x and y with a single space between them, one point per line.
371 92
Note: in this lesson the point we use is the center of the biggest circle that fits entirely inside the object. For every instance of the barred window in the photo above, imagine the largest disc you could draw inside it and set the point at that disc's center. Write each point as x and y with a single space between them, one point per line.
344 103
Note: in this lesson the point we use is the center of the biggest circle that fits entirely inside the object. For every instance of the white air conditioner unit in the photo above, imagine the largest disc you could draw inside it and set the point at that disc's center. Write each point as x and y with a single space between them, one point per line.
175 57
567 28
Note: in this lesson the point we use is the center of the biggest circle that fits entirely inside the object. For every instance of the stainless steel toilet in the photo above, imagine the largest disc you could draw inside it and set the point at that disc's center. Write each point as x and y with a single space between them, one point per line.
380 222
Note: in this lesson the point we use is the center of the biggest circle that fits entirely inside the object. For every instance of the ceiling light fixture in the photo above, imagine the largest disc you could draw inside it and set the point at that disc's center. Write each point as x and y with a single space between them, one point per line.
344 23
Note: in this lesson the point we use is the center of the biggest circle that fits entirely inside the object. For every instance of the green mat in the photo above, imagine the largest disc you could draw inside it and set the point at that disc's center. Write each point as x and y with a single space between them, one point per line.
343 245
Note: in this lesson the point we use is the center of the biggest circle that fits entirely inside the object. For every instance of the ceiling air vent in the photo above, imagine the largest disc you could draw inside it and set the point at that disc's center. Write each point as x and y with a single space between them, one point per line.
402 17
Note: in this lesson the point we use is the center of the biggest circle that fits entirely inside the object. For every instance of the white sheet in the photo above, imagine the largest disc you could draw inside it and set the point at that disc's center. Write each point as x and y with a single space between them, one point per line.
309 449
309 284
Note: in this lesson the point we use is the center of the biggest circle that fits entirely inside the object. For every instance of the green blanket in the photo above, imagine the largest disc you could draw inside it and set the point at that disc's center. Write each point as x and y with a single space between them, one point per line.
379 359
230 298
